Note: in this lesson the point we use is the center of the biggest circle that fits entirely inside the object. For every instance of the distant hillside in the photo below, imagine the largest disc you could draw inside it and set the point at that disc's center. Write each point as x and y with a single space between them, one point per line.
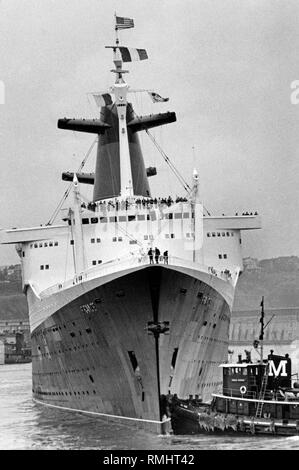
13 307
276 279
13 304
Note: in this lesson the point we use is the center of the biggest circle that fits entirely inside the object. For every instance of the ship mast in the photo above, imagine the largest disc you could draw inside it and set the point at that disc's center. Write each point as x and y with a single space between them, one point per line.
120 90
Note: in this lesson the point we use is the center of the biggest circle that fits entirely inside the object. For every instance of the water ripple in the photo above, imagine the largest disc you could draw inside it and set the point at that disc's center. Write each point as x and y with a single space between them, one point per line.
26 425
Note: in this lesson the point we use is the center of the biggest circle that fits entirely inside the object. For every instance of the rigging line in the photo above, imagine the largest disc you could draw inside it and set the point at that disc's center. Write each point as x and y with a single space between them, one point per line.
67 191
170 164
127 234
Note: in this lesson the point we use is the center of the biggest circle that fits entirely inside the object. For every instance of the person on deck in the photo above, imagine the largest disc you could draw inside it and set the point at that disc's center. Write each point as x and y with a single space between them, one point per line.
157 254
165 257
151 255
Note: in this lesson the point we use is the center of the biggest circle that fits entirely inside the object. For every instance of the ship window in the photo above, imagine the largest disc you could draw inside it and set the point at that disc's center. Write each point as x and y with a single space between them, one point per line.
56 243
92 240
227 234
114 239
69 222
208 234
166 235
47 266
218 234
223 234
148 217
151 237
40 245
120 293
23 254
141 217
99 261
45 244
178 215
186 215
187 235
94 262
113 219
225 256
131 217
145 237
133 360
72 242
51 244
98 240
169 216
220 256
42 267
122 218
172 235
103 220
91 378
120 239
205 323
31 245
232 234
213 234
85 221
94 220
133 242
174 356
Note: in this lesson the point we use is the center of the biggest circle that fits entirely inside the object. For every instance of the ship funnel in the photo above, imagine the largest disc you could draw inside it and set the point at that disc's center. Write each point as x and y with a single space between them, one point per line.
107 182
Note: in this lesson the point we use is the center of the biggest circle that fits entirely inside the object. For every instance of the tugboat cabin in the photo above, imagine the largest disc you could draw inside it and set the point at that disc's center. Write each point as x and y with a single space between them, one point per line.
258 389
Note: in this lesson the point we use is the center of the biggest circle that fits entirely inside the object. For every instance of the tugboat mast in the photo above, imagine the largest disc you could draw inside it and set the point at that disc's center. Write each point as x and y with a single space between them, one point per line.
261 337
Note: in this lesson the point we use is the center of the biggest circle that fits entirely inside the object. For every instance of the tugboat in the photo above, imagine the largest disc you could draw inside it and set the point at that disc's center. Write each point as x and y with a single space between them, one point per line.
256 397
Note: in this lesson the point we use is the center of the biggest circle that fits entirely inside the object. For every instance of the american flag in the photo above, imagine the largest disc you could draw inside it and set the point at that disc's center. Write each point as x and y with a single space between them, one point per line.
123 23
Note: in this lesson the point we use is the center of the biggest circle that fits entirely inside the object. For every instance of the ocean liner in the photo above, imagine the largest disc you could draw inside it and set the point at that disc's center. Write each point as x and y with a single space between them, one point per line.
130 296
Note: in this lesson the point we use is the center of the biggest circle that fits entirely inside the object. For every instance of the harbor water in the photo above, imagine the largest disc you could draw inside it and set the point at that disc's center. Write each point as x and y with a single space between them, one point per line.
25 425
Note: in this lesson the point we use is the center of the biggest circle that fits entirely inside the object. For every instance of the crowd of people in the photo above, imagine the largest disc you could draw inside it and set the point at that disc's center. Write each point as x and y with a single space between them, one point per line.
156 254
248 213
125 204
225 272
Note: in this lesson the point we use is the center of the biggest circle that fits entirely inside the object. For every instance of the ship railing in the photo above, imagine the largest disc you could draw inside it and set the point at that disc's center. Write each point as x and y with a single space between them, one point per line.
101 269
135 259
104 207
225 275
232 392
269 395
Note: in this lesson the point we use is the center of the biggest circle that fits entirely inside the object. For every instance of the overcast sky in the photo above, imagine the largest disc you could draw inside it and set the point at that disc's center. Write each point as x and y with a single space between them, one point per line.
227 67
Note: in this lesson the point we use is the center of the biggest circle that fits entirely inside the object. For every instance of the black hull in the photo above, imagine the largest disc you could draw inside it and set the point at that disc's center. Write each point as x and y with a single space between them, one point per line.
96 355
186 421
